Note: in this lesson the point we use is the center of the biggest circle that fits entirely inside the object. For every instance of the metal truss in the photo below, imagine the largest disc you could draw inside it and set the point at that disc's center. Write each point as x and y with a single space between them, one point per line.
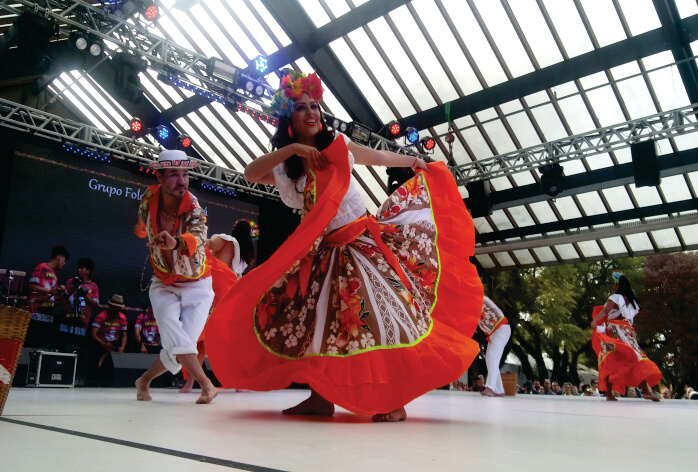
116 146
133 35
660 126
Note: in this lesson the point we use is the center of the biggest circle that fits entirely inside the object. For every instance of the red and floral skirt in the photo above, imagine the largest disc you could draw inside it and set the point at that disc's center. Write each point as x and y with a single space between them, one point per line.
621 359
371 315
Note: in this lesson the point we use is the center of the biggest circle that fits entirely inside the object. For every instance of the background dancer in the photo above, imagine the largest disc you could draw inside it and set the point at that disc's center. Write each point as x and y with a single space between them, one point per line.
495 325
622 362
348 304
181 290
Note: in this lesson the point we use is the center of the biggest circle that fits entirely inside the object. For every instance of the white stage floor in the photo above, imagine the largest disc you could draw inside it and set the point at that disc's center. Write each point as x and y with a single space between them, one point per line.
59 430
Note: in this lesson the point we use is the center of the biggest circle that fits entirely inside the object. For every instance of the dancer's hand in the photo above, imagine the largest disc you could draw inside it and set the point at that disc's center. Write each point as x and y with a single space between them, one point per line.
420 164
593 325
314 157
163 240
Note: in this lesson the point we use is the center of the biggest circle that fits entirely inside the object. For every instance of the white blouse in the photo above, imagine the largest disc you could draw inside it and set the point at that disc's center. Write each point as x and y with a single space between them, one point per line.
237 265
627 311
291 192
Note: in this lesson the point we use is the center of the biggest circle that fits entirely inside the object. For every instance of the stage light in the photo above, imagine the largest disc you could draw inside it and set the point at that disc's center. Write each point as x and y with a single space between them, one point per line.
127 82
261 64
185 141
552 179
412 135
136 125
428 143
163 133
394 129
222 70
78 40
360 133
152 12
249 86
95 48
259 90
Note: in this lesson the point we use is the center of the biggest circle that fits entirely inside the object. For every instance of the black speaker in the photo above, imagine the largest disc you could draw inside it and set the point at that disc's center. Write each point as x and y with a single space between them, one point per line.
479 198
645 165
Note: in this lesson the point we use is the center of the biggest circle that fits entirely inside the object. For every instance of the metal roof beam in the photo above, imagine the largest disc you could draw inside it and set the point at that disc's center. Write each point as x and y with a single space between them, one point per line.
298 26
679 40
622 52
677 163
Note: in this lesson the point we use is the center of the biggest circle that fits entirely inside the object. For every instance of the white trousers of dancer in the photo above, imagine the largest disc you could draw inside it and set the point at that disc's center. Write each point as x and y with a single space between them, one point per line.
181 310
495 348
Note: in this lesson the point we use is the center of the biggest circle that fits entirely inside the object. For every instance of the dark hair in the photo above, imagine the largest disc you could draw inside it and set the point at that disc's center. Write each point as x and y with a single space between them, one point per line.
60 251
87 263
294 164
625 290
241 232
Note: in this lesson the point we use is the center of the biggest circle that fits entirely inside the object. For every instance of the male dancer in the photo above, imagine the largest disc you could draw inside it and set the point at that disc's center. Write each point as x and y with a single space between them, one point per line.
495 325
181 292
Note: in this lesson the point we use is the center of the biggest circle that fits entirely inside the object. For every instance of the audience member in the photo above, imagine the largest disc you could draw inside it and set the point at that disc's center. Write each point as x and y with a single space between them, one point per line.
146 332
547 388
43 289
478 384
595 388
556 388
575 391
667 394
567 389
109 333
536 387
632 393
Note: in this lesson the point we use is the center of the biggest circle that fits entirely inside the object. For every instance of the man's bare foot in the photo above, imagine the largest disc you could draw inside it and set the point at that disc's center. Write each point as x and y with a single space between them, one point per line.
394 416
188 386
207 395
314 405
142 390
488 392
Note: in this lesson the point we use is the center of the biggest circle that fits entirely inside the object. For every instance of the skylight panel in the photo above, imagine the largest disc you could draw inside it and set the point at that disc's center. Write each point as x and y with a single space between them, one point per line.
524 257
269 20
636 97
255 28
689 234
543 212
604 21
537 98
87 111
476 42
156 97
113 104
376 186
114 119
524 130
618 198
500 220
486 261
669 88
338 7
594 80
573 166
666 239
363 81
545 254
571 30
522 216
646 196
419 47
173 33
402 64
477 143
315 12
576 114
504 35
567 251
201 42
640 15
567 207
623 156
500 183
549 122
625 70
504 259
614 245
208 141
686 8
460 155
590 249
499 136
380 70
591 203
599 161
536 32
482 226
606 107
523 178
231 140
639 242
447 45
511 106
675 189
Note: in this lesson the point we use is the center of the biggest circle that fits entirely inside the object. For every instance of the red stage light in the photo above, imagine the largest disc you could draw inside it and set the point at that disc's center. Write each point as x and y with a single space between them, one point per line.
152 12
395 128
136 125
429 144
186 141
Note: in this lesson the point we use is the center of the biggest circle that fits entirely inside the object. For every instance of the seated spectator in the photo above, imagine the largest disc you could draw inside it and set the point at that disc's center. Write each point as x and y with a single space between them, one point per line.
667 394
595 388
478 384
632 393
109 333
567 389
547 388
556 388
536 387
575 391
527 387
146 332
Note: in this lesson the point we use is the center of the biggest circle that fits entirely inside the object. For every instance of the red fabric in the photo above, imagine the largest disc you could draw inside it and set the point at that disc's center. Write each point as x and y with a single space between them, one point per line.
376 381
622 365
9 350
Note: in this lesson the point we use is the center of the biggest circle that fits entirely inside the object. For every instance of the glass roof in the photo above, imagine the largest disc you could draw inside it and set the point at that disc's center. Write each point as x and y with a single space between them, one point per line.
424 54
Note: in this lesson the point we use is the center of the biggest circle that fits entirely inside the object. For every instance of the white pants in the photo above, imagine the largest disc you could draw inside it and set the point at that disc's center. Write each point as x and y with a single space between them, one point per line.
181 310
495 348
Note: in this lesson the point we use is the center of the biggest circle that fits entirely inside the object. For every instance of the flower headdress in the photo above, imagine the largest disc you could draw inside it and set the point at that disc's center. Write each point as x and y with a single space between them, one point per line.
616 276
254 229
292 87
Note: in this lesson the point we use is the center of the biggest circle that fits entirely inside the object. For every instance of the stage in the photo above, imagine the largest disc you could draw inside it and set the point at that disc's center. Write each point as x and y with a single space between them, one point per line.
60 430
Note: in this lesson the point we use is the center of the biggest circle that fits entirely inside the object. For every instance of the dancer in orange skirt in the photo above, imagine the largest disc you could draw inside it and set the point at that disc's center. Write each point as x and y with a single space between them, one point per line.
622 363
370 311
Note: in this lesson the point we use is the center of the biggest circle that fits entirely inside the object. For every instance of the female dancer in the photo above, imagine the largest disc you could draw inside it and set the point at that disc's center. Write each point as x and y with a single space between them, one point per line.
349 303
235 251
622 362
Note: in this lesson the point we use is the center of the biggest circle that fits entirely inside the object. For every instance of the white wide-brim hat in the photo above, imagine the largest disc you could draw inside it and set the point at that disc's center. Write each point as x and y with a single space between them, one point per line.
174 160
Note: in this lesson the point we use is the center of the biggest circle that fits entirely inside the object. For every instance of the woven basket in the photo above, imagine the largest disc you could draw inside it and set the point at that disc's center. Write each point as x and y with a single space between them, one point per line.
509 383
13 330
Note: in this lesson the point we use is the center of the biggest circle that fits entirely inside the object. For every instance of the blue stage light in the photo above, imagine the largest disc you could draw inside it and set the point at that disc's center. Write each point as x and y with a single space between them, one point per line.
163 133
261 64
412 135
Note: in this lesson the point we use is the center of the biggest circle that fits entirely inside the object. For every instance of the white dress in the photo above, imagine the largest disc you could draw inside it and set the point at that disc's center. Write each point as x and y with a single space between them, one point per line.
237 265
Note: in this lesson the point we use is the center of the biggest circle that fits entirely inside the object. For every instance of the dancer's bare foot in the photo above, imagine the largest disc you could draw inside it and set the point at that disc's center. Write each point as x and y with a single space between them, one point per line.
314 405
394 416
143 390
488 392
647 392
208 393
611 398
609 391
188 386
